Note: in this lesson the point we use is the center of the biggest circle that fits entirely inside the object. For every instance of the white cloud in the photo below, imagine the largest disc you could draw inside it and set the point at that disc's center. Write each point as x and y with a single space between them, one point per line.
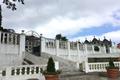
68 17
114 36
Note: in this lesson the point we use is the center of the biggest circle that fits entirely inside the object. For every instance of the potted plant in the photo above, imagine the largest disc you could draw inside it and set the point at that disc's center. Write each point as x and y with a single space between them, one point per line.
112 70
51 73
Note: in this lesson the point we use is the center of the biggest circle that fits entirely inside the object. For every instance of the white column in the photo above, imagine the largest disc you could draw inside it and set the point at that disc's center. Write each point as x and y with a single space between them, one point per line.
77 65
78 52
104 49
8 38
11 38
57 47
56 65
0 37
99 49
110 49
78 48
42 44
86 59
0 41
93 49
8 72
86 64
68 44
3 41
15 39
22 46
86 51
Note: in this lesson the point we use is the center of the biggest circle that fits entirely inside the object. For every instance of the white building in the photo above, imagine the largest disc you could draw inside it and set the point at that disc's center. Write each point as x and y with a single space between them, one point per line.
88 57
12 51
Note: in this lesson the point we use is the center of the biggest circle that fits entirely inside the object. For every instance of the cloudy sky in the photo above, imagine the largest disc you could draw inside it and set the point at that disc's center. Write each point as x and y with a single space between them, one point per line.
75 19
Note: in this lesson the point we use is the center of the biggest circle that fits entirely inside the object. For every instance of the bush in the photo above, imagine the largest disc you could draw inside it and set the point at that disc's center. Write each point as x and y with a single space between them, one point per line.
111 64
50 68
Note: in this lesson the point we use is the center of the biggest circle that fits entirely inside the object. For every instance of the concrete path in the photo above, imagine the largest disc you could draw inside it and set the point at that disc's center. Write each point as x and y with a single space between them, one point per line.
83 76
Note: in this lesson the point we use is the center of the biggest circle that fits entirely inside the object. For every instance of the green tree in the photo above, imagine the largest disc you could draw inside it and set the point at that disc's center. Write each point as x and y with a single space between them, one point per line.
64 39
51 66
11 4
58 36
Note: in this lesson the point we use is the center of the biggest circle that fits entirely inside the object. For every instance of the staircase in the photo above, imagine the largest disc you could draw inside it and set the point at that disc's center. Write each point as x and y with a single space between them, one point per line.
64 64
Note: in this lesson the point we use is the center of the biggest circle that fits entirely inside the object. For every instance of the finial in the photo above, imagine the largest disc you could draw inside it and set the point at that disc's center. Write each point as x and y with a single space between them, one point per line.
104 37
40 34
99 39
110 39
22 31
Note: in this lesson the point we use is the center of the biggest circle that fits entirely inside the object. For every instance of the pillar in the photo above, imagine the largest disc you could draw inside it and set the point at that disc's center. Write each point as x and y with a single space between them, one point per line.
8 39
68 44
0 37
86 59
78 51
22 46
57 47
56 65
3 39
42 40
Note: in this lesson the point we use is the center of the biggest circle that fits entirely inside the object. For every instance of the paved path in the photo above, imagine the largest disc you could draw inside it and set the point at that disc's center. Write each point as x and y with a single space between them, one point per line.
83 76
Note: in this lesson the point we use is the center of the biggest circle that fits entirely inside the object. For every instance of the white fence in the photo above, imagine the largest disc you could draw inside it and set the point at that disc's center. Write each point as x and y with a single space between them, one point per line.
100 67
22 72
74 51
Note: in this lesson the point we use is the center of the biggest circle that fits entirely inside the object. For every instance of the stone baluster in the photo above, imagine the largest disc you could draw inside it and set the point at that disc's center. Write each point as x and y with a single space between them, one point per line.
78 49
11 38
3 39
16 39
68 45
0 37
57 47
86 59
93 51
8 39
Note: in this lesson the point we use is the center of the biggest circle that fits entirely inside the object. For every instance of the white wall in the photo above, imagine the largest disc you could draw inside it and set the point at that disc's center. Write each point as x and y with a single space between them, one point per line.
12 46
75 51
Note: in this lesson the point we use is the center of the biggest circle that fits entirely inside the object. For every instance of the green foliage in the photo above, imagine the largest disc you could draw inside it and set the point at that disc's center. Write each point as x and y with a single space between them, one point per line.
51 66
111 64
12 4
60 37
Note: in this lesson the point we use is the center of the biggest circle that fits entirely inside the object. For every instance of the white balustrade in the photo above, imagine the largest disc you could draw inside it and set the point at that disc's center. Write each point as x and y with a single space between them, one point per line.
7 38
23 71
100 66
73 50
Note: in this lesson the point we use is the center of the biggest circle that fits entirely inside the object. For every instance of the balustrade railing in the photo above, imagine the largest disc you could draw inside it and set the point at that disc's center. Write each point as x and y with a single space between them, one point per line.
100 66
50 43
22 70
58 47
9 38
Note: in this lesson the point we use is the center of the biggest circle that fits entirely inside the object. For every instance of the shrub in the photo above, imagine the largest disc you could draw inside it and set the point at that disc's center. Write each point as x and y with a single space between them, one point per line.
50 68
111 64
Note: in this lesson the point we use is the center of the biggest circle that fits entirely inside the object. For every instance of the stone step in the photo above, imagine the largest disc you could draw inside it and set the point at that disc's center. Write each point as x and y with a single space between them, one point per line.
64 65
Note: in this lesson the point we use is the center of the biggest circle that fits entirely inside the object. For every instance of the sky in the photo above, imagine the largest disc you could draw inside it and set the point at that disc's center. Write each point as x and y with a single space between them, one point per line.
75 19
